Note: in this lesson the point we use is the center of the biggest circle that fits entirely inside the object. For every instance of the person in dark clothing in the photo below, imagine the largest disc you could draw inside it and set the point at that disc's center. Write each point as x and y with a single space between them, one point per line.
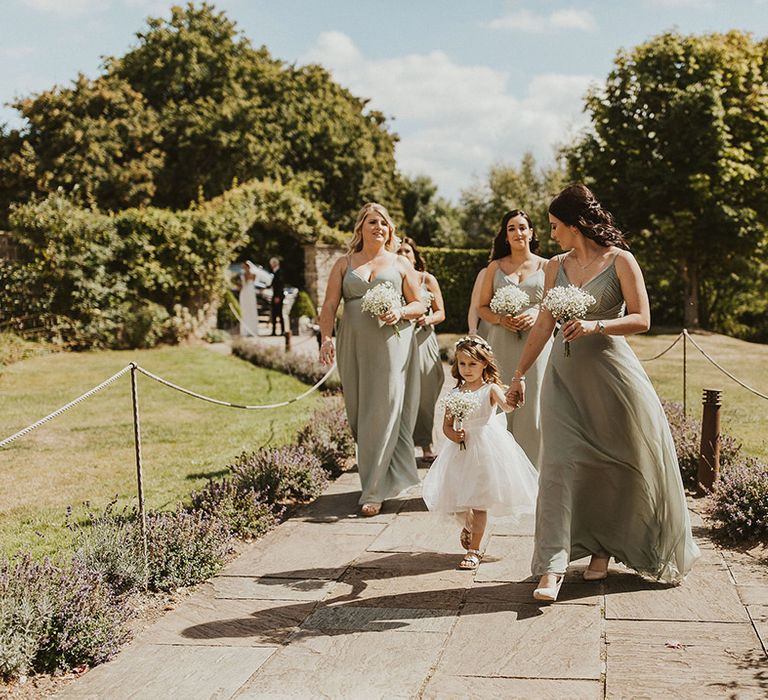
278 290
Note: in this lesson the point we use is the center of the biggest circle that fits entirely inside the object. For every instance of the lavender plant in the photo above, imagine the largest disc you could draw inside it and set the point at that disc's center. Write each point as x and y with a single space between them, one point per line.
740 501
328 436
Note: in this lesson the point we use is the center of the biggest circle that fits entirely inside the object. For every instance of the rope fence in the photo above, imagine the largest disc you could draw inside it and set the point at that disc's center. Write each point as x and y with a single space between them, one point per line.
134 369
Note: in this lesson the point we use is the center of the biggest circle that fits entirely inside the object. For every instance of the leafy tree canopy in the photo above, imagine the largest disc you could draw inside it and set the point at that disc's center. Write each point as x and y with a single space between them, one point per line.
679 150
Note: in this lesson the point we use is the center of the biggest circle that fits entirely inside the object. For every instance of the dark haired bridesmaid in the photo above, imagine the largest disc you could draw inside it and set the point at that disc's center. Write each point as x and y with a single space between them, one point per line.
609 482
513 261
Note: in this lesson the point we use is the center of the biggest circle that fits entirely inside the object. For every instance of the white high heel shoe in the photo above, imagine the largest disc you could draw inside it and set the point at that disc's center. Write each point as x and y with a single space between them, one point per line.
549 593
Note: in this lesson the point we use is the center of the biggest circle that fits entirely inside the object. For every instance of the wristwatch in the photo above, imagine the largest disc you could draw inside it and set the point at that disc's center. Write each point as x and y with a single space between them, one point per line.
601 327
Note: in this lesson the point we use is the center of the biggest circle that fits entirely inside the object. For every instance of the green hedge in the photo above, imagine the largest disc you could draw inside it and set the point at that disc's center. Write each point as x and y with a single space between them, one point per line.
137 277
455 270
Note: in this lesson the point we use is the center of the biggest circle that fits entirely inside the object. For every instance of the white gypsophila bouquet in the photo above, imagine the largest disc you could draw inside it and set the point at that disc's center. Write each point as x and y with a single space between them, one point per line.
511 300
379 299
566 303
458 405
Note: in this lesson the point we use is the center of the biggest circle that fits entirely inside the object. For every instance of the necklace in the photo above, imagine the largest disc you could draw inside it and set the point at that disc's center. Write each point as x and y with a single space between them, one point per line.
589 264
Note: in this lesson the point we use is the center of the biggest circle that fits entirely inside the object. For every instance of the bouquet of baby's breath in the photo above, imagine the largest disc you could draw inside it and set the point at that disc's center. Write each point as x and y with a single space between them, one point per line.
379 299
458 405
511 300
566 303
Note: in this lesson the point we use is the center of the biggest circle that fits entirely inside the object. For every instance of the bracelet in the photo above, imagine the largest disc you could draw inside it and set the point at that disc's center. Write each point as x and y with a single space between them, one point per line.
521 378
327 340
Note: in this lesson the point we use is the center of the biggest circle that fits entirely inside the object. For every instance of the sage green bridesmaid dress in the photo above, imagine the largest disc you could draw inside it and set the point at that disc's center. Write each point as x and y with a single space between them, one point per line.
431 374
380 381
525 422
609 481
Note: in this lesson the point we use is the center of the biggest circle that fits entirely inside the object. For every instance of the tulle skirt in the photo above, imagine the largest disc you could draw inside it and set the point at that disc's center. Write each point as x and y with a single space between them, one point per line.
492 474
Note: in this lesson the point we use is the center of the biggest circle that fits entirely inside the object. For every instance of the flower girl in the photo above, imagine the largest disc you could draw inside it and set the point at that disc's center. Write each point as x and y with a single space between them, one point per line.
482 471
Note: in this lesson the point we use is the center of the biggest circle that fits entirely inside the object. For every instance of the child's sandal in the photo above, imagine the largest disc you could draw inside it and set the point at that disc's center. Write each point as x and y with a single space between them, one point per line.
471 560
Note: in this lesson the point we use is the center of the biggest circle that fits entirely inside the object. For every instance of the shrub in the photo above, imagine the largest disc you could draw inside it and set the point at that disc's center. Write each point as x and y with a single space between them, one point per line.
110 544
686 433
280 474
455 269
303 306
740 501
327 435
55 618
304 368
184 548
246 513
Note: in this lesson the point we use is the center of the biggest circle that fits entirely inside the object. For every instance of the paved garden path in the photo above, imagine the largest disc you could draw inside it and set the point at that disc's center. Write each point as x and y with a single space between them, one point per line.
330 605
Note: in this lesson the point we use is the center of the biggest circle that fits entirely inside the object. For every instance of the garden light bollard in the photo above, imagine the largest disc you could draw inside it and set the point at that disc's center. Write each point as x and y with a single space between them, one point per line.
709 453
287 336
139 472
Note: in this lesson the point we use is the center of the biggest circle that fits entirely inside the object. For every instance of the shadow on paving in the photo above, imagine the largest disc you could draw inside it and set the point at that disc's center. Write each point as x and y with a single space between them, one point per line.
396 611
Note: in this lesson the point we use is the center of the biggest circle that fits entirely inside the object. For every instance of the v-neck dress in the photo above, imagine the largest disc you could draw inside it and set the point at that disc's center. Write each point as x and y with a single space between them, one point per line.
525 422
609 480
380 380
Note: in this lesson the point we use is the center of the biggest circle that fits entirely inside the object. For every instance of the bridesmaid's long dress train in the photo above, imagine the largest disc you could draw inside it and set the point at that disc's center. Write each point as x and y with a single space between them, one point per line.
380 380
525 422
609 481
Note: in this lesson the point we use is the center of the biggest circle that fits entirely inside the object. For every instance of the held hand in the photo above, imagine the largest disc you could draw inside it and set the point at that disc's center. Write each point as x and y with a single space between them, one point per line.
421 321
577 327
524 321
391 317
327 353
515 396
508 322
457 436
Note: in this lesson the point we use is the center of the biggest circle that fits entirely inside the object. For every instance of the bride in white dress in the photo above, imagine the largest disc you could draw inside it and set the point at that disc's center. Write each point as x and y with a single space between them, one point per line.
249 313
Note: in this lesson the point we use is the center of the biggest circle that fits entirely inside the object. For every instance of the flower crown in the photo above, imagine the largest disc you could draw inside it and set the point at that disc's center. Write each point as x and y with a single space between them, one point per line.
473 340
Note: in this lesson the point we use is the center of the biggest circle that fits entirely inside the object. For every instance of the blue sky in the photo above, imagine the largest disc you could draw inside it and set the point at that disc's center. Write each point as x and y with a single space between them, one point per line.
467 84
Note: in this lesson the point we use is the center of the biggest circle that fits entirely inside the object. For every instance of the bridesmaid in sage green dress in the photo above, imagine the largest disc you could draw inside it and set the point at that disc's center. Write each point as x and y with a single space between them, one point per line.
513 262
432 376
609 481
379 376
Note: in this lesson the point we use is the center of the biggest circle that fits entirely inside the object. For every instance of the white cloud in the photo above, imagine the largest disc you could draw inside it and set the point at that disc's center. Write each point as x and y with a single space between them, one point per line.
76 8
522 20
456 120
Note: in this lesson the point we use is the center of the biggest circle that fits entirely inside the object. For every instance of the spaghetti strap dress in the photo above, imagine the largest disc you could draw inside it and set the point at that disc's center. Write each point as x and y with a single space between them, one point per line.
609 480
525 422
380 381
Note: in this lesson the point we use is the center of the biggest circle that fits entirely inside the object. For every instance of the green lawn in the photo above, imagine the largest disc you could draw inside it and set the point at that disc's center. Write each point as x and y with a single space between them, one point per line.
743 414
87 453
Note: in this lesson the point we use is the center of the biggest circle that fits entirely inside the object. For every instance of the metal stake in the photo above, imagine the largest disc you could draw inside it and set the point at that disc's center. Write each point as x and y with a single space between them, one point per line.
139 472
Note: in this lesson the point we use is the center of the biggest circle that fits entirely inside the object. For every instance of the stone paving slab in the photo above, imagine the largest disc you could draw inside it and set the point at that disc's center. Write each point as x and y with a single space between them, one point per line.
443 686
706 595
379 619
267 588
417 533
522 526
506 559
759 616
718 660
753 595
381 587
209 621
515 594
150 672
303 550
525 641
369 665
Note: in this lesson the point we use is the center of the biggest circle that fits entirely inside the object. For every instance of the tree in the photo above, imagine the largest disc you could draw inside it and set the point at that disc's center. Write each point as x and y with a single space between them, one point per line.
191 111
98 138
428 219
527 187
679 151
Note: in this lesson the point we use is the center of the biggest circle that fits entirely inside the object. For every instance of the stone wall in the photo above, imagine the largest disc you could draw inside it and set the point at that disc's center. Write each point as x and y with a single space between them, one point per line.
318 261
